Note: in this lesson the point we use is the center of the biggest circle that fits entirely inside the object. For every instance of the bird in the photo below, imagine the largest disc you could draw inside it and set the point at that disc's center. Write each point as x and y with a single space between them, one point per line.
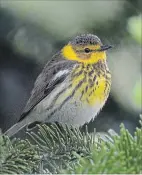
72 87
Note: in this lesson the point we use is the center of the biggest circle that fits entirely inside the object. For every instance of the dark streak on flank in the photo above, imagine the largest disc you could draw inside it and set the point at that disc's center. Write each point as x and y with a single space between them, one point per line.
68 98
88 66
82 66
90 93
91 82
82 93
107 85
107 71
91 73
73 92
94 78
57 96
77 74
86 89
99 73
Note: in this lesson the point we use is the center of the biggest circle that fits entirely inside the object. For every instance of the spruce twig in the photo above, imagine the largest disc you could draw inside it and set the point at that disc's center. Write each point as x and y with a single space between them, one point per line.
123 155
61 146
17 156
63 149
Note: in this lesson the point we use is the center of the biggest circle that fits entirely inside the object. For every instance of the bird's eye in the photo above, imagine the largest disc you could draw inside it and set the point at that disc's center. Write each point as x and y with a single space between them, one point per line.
87 50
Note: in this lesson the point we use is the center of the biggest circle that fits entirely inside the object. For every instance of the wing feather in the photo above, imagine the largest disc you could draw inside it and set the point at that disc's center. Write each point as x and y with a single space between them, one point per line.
48 79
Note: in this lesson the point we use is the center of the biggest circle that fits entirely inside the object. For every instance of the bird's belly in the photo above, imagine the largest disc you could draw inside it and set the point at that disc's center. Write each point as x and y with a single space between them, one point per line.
75 113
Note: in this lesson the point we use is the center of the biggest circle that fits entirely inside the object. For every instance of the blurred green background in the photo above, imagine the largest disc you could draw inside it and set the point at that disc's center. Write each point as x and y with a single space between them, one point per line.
32 31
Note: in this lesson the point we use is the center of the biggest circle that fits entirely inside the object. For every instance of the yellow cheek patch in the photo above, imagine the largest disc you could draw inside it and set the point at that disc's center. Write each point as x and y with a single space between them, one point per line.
69 53
96 56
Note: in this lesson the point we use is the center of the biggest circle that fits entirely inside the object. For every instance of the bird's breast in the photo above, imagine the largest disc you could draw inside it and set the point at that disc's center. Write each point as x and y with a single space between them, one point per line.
92 84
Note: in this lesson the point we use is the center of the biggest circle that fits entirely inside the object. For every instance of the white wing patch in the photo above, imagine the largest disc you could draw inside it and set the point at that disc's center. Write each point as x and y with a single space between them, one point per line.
60 73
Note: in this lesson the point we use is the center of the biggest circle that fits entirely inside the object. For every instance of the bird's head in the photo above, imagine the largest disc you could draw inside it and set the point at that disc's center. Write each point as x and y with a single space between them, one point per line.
85 48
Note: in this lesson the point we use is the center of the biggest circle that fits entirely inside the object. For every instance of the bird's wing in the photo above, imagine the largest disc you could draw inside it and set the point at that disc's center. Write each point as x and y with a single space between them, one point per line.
54 73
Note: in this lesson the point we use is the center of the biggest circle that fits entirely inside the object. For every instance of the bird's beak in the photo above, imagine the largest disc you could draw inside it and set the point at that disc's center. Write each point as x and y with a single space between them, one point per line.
105 47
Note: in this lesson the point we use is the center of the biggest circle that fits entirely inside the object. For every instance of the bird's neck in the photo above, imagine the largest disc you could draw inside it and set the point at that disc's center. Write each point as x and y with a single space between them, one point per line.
99 68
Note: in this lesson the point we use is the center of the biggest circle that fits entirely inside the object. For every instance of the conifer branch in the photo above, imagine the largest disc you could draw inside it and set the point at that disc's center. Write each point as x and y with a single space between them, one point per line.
63 149
123 156
61 146
17 156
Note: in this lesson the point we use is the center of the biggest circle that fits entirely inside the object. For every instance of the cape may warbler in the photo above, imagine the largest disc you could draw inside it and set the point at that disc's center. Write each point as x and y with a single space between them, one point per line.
73 86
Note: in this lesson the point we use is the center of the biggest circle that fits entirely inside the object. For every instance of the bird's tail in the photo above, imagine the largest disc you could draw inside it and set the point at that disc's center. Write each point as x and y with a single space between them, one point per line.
15 128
